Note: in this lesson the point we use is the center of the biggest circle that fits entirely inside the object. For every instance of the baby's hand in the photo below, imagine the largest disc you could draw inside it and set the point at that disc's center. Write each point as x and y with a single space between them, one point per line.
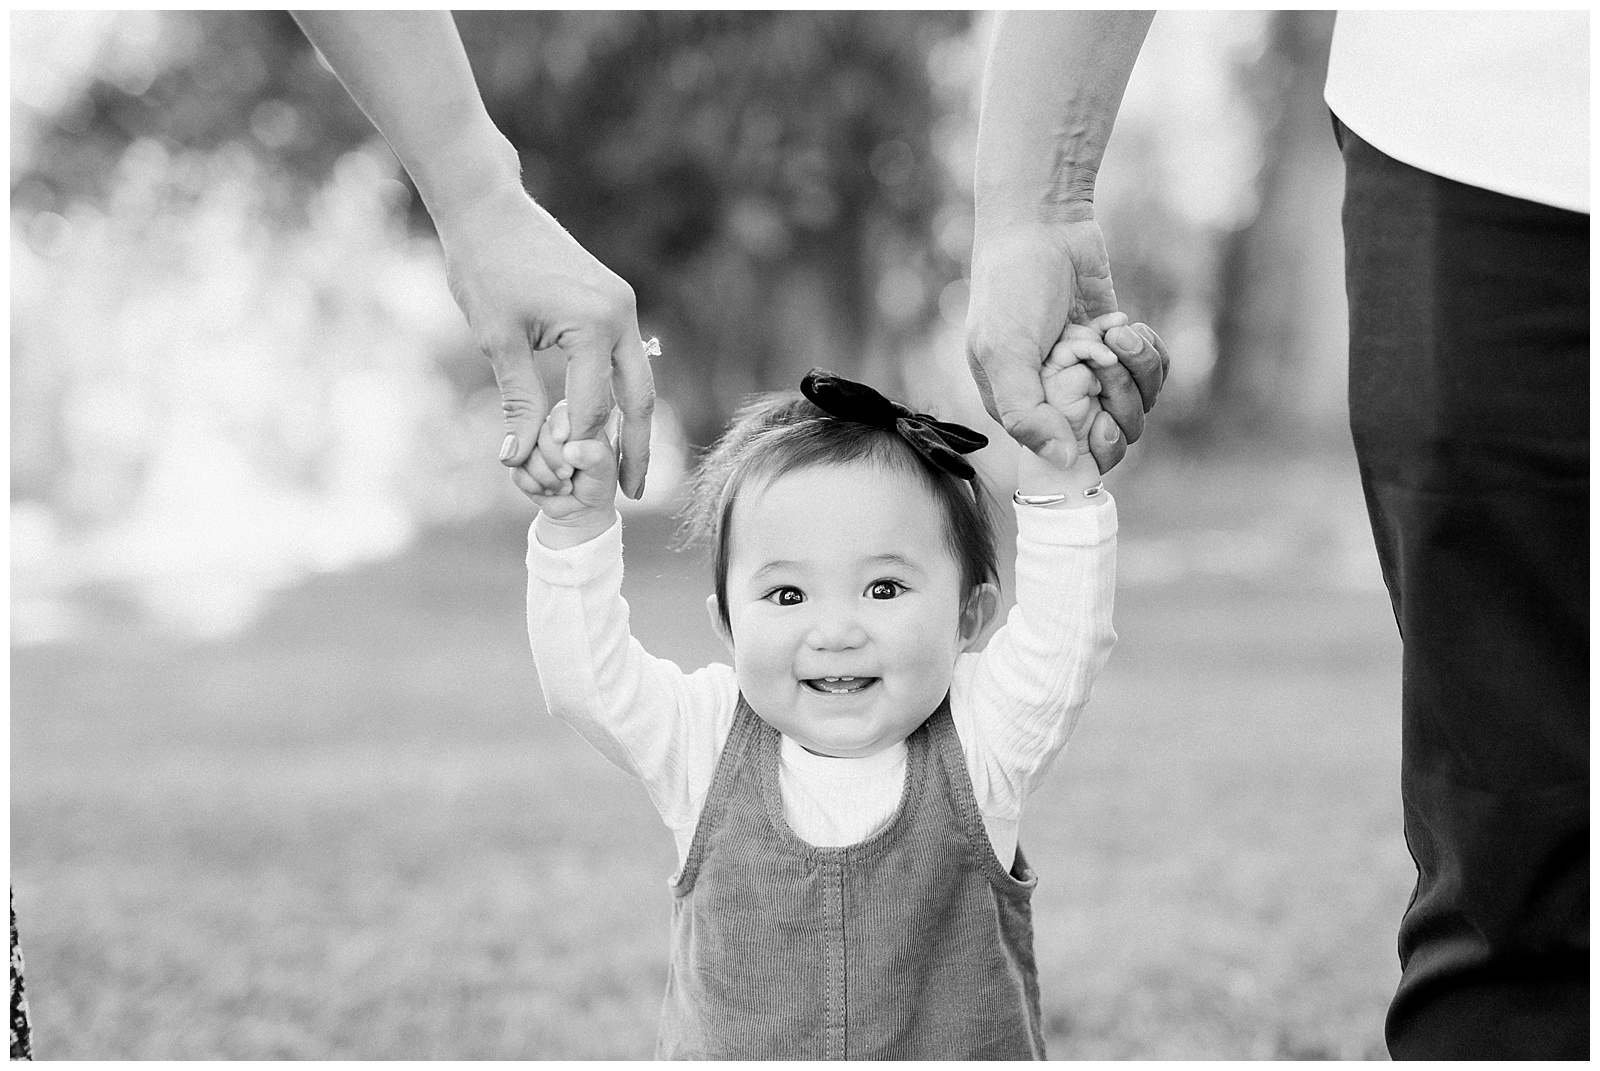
574 484
1070 385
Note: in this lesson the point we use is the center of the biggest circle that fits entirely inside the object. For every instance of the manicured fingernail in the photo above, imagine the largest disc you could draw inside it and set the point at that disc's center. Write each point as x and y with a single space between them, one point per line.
638 492
1147 331
508 449
1113 434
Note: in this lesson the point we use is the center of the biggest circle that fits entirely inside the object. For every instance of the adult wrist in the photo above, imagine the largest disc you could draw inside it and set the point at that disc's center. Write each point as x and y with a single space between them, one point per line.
1021 175
456 174
1053 200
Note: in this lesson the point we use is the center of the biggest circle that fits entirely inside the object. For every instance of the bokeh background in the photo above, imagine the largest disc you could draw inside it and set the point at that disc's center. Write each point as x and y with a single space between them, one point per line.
282 784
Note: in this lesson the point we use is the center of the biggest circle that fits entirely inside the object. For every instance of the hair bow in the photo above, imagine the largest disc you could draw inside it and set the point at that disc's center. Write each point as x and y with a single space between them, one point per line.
938 442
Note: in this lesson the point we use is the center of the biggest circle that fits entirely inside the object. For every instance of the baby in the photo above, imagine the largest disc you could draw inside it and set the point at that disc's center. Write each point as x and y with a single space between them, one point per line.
845 796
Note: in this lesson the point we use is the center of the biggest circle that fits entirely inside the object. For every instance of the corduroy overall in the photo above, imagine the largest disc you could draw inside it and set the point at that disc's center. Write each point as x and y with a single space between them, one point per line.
913 944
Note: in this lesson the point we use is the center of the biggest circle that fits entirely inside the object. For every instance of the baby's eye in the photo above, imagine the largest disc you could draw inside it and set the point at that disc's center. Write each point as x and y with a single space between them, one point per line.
884 589
785 596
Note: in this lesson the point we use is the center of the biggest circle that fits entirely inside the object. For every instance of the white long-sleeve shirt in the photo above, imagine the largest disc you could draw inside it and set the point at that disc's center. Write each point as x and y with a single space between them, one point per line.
1014 704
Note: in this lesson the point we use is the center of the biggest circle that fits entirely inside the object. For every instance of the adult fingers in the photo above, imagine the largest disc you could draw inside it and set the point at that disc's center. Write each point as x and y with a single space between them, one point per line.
1119 396
1106 442
635 389
1014 395
1161 348
1142 359
588 384
522 397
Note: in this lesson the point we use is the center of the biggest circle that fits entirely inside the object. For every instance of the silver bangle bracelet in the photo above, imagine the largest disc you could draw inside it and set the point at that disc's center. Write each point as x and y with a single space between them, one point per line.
1050 500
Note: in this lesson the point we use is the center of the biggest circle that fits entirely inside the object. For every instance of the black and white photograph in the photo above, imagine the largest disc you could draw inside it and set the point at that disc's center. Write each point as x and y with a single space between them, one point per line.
789 534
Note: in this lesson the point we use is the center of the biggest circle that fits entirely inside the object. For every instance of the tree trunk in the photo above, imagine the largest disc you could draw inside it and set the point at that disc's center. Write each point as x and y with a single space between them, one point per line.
1281 324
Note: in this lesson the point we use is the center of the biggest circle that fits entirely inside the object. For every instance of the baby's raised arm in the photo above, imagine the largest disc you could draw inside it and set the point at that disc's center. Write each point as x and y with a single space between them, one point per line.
1021 697
642 713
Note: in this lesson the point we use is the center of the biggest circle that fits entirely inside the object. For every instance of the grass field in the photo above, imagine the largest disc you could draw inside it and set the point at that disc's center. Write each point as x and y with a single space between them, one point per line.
353 833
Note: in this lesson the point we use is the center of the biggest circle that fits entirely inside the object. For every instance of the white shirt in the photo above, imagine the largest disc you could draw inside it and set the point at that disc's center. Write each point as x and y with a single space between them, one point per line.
1495 99
1014 704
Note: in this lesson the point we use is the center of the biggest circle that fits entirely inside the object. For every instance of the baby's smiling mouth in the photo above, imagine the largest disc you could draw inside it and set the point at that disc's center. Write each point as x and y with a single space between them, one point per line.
840 685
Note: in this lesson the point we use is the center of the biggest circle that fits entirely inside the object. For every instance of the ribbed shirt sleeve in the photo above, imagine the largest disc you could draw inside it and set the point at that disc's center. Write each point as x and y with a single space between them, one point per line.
645 714
1016 703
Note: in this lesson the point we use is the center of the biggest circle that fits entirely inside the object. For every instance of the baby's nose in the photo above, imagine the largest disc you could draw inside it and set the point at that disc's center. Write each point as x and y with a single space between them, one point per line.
837 634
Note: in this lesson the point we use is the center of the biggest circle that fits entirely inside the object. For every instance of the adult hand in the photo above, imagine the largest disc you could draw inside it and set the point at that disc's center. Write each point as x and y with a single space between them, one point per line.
526 285
523 282
1030 279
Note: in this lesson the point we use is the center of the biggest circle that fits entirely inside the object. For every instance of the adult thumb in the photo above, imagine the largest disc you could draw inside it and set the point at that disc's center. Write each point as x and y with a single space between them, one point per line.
1106 442
1044 430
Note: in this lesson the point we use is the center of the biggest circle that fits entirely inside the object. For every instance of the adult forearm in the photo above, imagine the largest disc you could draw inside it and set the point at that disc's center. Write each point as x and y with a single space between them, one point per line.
1051 89
409 73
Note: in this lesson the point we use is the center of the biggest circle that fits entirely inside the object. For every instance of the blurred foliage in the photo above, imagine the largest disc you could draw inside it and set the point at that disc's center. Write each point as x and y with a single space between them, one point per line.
207 79
1219 196
768 216
766 181
1280 332
230 333
231 363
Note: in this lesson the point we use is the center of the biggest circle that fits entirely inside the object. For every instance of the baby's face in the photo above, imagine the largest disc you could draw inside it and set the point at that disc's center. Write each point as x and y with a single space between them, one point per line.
845 605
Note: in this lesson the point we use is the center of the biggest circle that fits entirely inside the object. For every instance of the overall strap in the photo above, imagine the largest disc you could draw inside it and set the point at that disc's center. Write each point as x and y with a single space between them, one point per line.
743 737
946 745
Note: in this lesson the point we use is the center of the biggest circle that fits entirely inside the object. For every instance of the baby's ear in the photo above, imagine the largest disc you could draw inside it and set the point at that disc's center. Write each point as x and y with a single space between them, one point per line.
716 623
982 607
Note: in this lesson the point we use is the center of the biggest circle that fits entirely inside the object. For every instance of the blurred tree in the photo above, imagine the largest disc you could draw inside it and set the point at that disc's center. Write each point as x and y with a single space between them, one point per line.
1220 199
1280 327
227 351
221 327
764 180
197 203
204 79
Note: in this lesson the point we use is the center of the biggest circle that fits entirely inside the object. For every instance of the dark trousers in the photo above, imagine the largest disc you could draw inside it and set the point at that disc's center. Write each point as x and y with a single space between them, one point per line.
1469 405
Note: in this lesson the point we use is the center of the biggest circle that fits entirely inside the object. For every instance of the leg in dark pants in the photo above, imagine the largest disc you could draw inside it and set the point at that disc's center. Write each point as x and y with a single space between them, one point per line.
1469 388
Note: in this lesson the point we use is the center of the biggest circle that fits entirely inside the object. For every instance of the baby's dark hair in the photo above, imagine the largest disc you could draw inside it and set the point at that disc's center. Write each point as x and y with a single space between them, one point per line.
783 432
